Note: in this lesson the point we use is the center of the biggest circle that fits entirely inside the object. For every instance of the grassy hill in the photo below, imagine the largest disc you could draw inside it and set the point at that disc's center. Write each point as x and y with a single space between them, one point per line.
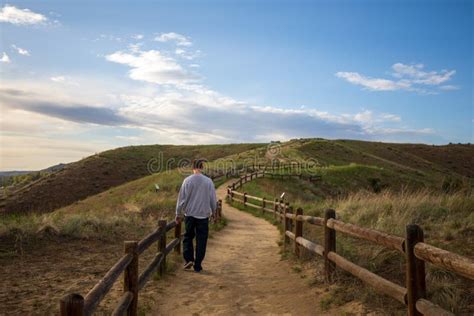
348 165
352 163
102 171
111 188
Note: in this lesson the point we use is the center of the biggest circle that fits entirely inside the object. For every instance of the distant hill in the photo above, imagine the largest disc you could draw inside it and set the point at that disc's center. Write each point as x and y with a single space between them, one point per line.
15 180
54 168
356 164
99 172
13 173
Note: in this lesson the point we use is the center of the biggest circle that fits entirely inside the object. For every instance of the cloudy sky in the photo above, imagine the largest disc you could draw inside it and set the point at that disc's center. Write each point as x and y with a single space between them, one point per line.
79 77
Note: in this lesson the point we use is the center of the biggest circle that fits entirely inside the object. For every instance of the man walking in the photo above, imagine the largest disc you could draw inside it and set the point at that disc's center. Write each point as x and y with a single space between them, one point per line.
197 201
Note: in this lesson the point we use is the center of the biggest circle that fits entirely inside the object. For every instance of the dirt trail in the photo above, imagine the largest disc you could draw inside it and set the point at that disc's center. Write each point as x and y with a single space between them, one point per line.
244 274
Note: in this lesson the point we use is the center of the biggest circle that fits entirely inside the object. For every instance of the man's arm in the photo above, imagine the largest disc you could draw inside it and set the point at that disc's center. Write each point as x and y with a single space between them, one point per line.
181 202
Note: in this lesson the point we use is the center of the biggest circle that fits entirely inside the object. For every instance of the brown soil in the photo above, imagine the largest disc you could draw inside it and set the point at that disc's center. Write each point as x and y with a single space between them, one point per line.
34 282
243 274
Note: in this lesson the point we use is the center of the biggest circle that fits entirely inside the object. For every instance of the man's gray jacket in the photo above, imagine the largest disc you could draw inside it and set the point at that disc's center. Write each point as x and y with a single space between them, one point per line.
197 197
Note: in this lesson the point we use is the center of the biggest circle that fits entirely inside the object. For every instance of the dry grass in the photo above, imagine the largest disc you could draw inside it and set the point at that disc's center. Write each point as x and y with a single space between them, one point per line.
447 220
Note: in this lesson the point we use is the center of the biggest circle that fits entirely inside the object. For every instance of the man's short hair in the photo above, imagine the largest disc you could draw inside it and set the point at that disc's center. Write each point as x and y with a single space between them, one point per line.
199 163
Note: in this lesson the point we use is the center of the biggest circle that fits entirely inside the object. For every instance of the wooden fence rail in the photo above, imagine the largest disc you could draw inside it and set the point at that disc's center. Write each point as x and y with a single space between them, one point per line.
412 247
77 305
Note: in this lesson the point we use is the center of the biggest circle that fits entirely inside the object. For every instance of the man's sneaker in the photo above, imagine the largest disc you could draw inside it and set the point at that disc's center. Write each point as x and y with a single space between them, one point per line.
188 265
198 270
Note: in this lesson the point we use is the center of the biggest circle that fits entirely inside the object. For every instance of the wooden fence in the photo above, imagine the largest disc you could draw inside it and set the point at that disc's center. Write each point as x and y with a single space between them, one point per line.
77 305
412 247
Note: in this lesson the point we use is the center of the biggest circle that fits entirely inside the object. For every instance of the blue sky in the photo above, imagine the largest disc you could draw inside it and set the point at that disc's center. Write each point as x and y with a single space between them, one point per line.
79 77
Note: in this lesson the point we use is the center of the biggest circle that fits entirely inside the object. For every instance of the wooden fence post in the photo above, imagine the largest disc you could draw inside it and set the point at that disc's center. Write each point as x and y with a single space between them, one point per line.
329 245
282 210
275 209
286 226
177 234
298 232
162 247
233 186
130 276
415 269
245 198
71 305
264 205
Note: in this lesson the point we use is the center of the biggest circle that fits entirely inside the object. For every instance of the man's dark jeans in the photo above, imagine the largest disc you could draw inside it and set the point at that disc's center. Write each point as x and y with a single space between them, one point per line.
199 228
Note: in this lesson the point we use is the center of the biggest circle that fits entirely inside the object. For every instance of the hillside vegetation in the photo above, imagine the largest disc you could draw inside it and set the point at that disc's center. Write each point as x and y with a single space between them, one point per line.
411 165
117 180
102 171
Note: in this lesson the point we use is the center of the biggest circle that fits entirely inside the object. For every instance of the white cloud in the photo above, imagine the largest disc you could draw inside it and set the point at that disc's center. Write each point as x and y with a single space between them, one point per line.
65 80
58 79
179 51
108 37
5 59
193 116
135 48
138 36
179 39
11 14
409 70
187 55
152 66
407 77
391 117
419 76
375 84
364 117
21 51
401 131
